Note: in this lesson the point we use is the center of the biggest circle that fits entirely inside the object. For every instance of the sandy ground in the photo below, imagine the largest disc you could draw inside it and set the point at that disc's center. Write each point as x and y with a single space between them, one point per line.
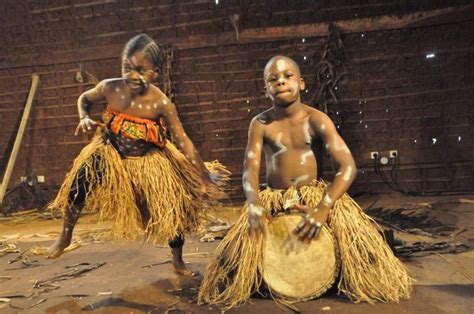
126 283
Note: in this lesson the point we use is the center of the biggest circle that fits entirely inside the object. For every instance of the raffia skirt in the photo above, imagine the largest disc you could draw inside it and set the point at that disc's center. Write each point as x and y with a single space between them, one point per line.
369 270
163 184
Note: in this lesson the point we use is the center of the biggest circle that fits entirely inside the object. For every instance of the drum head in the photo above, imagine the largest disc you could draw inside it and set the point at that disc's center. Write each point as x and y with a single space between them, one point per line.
295 270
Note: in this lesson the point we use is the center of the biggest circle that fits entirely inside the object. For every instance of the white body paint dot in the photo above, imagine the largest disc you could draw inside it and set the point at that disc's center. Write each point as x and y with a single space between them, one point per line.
347 173
327 199
255 210
251 154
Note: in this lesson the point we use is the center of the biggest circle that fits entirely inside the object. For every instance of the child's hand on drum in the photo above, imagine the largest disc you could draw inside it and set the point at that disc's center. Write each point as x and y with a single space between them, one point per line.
311 224
256 220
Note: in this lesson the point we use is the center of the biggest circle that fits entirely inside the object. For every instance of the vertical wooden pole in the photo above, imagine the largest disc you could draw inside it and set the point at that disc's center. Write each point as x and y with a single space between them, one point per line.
19 136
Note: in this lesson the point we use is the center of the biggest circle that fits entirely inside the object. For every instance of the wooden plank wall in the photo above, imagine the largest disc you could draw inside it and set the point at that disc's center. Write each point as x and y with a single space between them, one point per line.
392 98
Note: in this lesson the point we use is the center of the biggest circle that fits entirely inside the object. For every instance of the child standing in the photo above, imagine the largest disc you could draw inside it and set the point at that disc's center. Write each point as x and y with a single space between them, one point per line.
130 172
370 271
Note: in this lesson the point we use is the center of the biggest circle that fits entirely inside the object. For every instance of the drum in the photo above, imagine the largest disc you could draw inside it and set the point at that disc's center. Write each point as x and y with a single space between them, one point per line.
294 270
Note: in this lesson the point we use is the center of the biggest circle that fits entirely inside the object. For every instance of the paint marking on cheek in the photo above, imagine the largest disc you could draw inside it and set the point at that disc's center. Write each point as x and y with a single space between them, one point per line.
327 200
306 155
117 89
193 161
165 102
338 174
323 127
140 106
327 146
181 144
155 105
347 174
255 210
133 103
251 155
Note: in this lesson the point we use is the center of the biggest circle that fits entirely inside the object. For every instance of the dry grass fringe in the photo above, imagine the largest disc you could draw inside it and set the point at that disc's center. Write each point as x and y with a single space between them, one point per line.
163 184
370 272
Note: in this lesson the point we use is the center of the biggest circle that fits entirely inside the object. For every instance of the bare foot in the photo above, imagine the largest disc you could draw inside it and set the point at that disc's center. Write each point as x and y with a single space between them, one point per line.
58 247
178 263
181 269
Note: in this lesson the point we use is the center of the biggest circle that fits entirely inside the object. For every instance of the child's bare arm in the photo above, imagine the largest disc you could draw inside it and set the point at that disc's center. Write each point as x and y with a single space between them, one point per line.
339 151
311 224
182 140
250 178
84 104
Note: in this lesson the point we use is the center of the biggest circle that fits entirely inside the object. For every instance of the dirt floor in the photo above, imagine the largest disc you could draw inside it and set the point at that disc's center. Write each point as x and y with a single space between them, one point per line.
123 278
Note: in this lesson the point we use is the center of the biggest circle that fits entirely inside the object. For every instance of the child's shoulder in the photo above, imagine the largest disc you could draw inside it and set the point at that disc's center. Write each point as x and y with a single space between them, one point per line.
111 84
316 115
264 117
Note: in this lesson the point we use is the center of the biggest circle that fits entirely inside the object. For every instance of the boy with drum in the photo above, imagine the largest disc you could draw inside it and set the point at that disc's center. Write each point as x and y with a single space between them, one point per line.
370 272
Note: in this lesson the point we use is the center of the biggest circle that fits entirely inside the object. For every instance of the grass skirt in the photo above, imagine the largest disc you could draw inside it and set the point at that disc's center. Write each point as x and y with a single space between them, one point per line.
369 270
160 194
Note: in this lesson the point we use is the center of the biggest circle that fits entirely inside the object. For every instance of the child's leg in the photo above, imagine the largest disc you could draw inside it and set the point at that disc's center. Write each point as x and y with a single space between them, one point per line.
176 246
76 199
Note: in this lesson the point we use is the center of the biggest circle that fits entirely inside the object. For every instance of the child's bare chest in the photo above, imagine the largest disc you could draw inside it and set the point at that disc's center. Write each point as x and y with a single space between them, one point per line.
144 108
292 136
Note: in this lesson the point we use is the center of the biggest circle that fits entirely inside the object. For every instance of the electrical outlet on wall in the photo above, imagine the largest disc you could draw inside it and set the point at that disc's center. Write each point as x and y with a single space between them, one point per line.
393 153
374 155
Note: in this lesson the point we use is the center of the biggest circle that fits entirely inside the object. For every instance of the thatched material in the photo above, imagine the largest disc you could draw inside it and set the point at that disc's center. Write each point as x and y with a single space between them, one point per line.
370 272
162 186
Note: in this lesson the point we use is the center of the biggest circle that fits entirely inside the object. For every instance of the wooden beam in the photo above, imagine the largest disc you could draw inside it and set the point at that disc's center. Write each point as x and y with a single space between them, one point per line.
378 23
246 36
19 137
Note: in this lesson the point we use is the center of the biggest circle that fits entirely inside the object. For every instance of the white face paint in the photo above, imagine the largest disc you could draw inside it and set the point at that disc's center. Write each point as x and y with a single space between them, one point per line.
306 155
140 106
133 103
255 210
327 146
323 127
257 145
301 179
181 144
251 155
148 107
117 89
123 97
338 174
282 148
280 65
327 200
165 101
155 105
347 173
194 162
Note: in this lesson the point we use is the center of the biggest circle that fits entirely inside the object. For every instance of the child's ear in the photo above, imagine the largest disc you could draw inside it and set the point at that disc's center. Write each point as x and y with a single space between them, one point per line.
302 84
157 73
266 92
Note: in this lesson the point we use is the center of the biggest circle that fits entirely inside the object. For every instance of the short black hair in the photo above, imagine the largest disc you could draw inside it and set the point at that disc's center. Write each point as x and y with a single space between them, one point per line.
147 45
